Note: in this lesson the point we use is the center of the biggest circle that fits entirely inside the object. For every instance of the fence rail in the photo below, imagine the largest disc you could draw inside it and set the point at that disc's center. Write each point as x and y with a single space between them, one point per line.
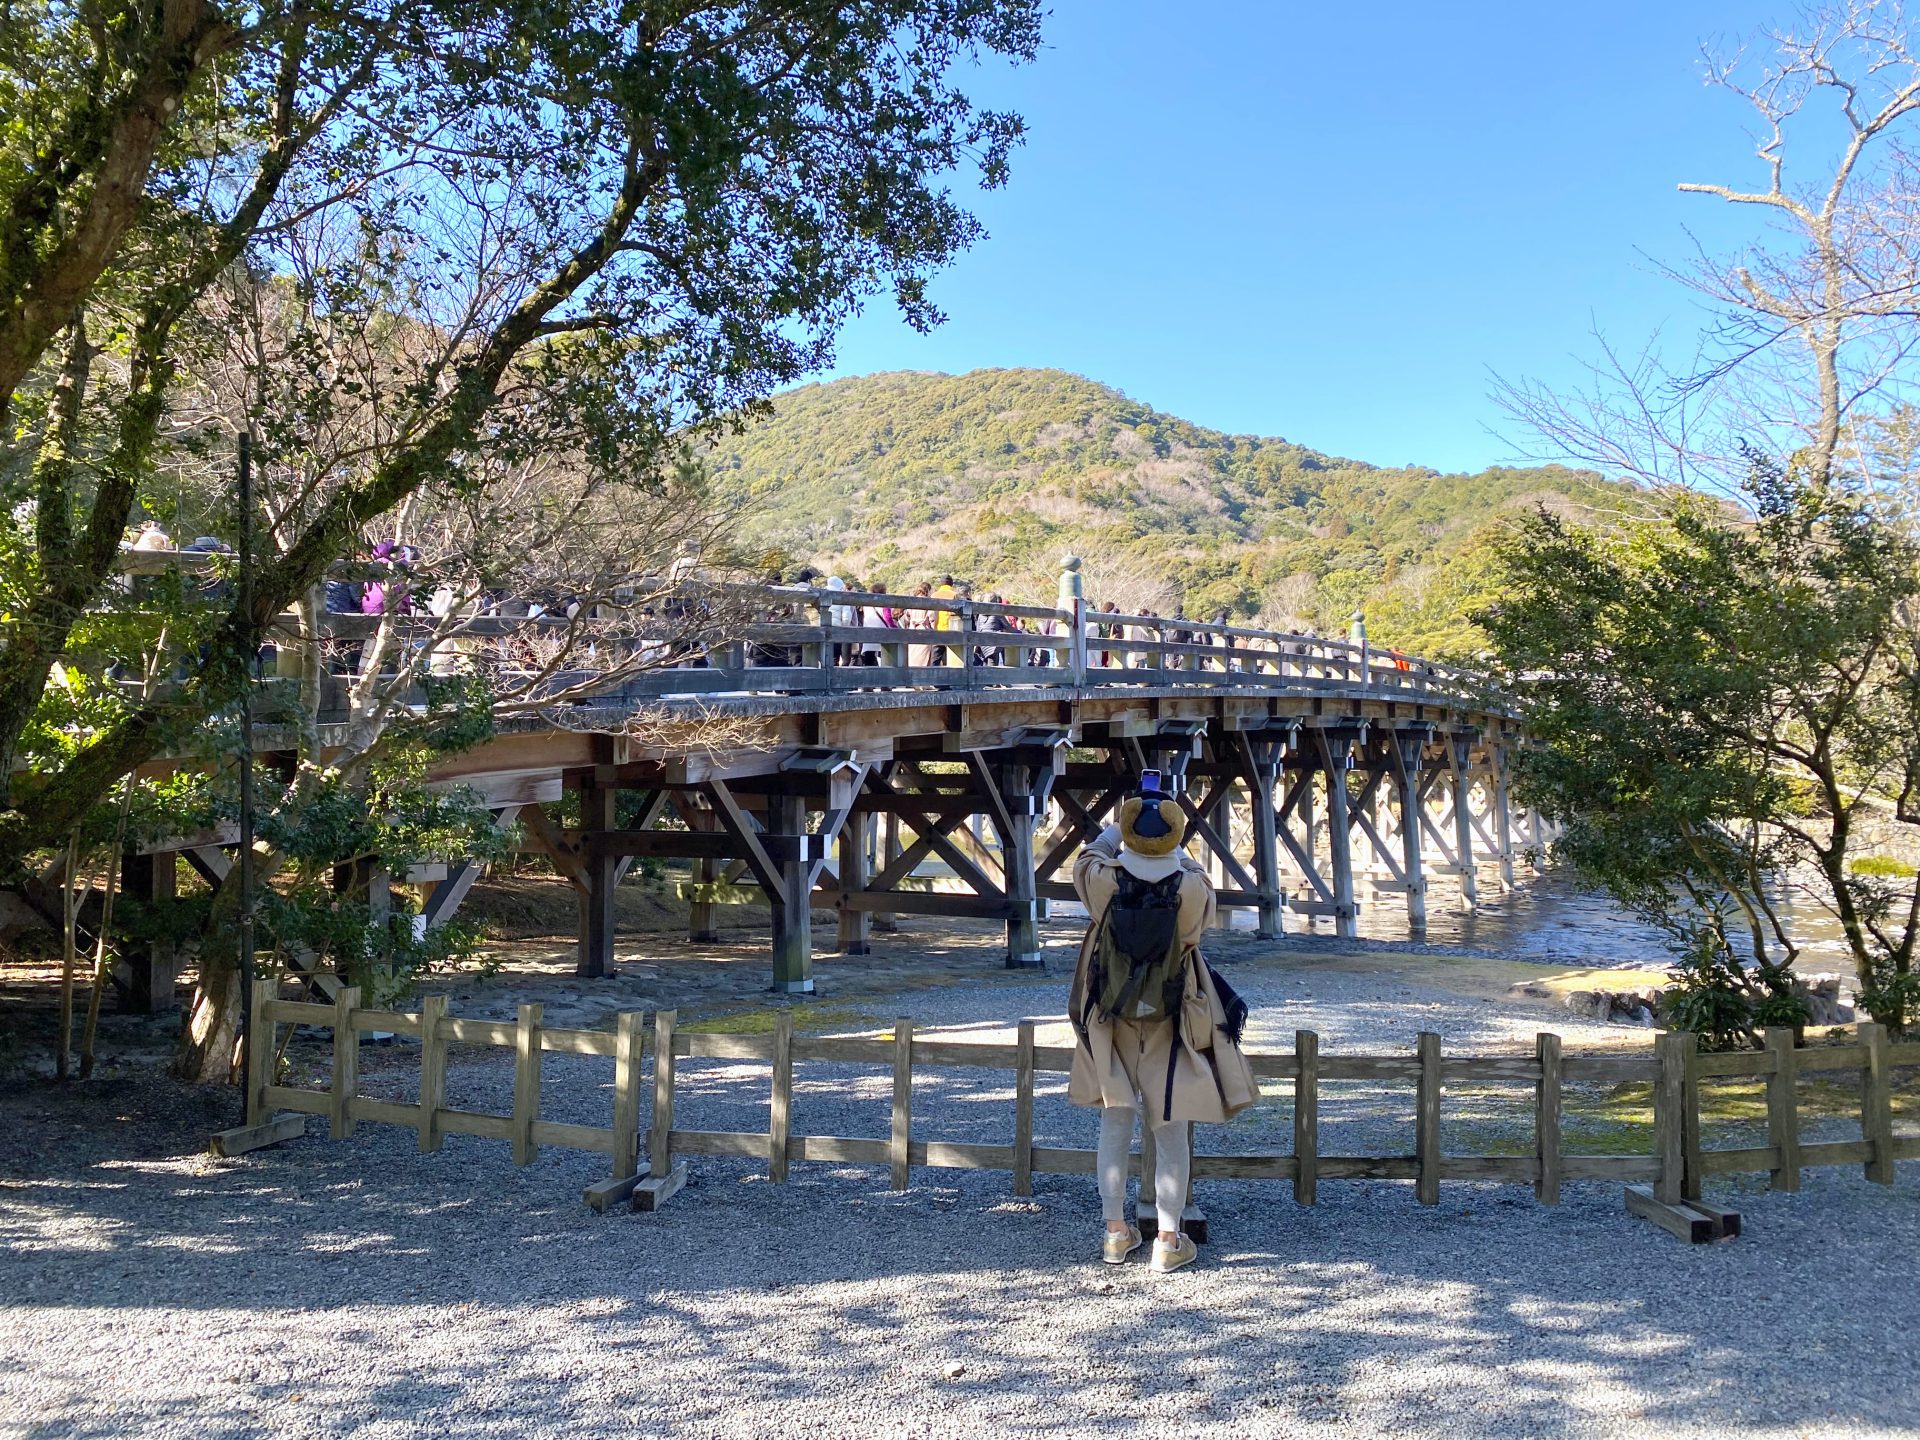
1664 1183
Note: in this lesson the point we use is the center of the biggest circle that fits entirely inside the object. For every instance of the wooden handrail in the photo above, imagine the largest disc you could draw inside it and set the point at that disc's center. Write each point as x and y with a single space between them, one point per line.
789 630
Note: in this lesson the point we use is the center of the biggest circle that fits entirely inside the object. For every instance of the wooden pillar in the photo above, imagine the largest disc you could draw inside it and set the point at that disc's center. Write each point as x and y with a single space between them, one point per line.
884 921
596 897
855 837
1335 750
1407 750
1502 813
1309 823
1016 809
706 872
1295 786
153 965
793 908
1262 761
1458 751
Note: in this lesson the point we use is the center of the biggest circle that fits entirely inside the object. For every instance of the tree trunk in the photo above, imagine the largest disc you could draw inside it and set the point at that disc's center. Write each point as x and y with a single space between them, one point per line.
69 944
102 956
210 1041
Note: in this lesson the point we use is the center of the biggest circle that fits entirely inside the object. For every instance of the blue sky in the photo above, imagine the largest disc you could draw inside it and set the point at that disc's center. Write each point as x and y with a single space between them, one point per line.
1332 222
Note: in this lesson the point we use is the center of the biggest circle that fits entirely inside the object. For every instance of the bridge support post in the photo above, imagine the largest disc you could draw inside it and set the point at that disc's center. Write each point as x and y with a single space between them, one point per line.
855 836
1018 790
1260 758
1335 751
153 965
598 868
886 851
1502 811
706 871
1222 874
1459 751
1406 751
1023 919
793 905
1309 823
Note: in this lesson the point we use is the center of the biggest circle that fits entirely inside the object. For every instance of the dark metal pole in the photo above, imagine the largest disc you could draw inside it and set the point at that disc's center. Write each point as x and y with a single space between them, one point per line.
243 585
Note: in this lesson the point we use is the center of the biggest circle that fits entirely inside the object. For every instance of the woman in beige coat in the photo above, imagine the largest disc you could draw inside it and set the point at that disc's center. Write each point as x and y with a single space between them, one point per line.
1180 1068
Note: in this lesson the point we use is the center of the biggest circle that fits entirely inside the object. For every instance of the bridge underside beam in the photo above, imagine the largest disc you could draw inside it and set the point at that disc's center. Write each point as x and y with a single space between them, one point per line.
995 809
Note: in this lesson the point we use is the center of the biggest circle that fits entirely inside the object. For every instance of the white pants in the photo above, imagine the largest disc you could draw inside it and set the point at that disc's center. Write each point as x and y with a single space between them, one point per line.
1173 1166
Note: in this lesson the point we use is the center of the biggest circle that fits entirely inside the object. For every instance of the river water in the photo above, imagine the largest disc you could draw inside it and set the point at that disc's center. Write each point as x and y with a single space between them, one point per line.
1551 918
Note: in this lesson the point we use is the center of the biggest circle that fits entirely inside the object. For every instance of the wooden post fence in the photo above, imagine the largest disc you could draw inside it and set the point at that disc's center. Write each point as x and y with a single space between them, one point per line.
1663 1184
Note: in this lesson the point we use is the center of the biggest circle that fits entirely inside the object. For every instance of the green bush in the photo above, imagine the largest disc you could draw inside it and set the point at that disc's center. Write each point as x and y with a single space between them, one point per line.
1882 867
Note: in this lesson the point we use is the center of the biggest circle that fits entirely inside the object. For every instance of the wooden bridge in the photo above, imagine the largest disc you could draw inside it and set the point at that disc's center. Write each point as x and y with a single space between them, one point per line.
805 754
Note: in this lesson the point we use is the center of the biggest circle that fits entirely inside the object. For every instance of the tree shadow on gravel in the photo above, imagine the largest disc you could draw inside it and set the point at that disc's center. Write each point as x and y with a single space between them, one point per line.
364 1280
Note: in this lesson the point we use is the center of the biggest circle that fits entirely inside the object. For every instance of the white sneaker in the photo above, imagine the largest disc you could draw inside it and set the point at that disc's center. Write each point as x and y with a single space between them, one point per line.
1118 1246
1171 1257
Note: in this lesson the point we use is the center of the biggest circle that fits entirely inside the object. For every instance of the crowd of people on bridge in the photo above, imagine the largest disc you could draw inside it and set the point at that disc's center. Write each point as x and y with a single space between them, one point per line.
1126 641
941 622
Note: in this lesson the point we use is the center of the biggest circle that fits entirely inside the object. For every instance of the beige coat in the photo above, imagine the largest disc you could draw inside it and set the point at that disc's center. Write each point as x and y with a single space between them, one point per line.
1115 1062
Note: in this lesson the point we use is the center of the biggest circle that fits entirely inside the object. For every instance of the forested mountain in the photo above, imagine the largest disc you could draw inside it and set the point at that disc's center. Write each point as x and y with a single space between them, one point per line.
995 474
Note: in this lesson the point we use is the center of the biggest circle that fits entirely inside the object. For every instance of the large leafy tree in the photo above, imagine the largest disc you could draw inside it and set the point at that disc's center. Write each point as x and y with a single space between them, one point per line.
1725 706
419 249
1729 691
644 216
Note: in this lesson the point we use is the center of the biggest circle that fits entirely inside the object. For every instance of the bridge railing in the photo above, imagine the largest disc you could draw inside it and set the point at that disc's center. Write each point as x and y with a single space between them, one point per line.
694 638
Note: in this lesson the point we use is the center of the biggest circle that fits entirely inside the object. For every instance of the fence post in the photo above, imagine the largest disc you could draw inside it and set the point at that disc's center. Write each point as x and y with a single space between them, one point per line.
1427 1120
1876 1102
526 1082
1694 1172
629 1174
1306 1117
1783 1117
1023 1110
1546 1118
664 1178
823 648
261 1041
1669 1099
433 1070
902 1103
627 1046
660 1142
780 1102
346 1060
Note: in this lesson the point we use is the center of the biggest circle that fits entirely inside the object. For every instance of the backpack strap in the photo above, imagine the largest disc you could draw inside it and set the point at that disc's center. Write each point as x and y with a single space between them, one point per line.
1174 999
1091 1004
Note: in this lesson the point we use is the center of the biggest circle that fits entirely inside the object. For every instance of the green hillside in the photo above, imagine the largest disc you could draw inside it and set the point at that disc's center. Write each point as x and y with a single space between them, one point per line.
993 475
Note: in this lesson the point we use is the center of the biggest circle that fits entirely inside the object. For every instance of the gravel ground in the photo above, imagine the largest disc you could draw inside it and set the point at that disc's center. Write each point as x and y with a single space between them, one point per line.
324 1288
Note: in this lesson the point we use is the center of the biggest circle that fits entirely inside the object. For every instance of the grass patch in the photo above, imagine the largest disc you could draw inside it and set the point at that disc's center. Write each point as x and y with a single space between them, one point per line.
807 1019
1620 1121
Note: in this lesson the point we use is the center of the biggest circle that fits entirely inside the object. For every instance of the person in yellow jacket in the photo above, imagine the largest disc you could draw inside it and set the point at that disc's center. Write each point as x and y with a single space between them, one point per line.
946 620
1155 1029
